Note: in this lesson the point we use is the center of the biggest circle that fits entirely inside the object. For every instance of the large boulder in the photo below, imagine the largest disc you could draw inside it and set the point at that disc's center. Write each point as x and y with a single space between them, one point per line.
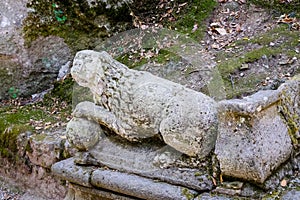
12 15
253 138
26 70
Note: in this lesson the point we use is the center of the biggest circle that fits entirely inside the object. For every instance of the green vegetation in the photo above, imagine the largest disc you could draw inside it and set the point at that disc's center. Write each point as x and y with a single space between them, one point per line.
59 14
63 90
33 118
13 92
8 140
273 195
187 194
291 117
197 12
135 60
73 20
132 60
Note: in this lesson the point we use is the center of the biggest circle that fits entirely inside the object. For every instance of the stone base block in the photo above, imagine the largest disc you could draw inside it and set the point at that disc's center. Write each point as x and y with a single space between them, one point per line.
109 184
253 138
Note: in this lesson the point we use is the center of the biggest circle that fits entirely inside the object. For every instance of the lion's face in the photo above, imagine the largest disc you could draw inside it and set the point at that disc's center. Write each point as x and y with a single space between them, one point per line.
87 70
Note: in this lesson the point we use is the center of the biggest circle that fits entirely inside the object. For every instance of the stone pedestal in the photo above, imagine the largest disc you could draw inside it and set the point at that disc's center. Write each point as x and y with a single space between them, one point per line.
253 139
88 182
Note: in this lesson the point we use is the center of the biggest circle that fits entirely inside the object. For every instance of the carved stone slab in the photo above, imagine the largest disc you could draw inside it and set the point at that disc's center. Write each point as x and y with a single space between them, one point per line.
119 182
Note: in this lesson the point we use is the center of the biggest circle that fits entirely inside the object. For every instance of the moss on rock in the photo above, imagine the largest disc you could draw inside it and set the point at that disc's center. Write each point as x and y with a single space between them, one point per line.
231 63
63 90
75 21
8 140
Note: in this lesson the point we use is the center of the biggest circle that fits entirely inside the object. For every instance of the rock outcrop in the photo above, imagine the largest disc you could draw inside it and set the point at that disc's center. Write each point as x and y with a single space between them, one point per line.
26 70
31 169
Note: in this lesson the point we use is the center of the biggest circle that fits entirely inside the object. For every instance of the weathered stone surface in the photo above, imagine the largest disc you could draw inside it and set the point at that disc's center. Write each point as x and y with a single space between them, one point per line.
207 196
152 160
45 149
289 108
77 192
45 57
253 139
67 170
142 105
291 195
30 169
26 70
119 182
137 186
83 133
272 182
12 14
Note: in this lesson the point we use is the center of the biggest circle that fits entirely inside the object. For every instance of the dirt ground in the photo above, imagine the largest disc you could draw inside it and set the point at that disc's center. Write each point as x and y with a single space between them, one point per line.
255 48
10 191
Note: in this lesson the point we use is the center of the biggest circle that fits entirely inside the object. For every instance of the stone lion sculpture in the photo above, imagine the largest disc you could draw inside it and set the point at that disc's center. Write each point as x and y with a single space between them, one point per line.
138 105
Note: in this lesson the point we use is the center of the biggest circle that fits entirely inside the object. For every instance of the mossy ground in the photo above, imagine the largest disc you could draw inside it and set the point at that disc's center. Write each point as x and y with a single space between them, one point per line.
230 63
194 13
54 111
135 60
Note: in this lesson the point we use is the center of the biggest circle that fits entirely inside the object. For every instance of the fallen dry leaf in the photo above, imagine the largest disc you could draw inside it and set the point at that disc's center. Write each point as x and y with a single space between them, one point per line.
238 28
242 1
214 181
182 4
170 11
221 31
283 183
215 46
221 178
195 28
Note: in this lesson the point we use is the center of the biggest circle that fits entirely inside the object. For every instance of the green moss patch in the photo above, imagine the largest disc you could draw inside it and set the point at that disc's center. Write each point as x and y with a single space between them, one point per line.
137 59
196 13
36 118
8 140
63 90
229 63
73 20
